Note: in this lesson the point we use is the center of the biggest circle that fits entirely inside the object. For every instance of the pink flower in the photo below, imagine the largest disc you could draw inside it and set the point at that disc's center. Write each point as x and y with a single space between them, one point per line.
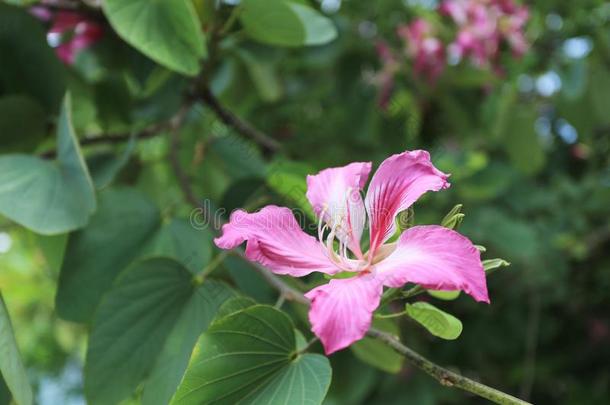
483 26
341 311
75 31
423 46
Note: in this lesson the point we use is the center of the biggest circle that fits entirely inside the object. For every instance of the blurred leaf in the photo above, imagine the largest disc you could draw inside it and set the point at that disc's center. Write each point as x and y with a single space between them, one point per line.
179 240
105 166
248 280
263 75
29 64
319 29
289 179
11 367
153 311
444 295
261 343
285 23
437 322
53 248
600 92
22 123
167 32
521 140
378 354
48 197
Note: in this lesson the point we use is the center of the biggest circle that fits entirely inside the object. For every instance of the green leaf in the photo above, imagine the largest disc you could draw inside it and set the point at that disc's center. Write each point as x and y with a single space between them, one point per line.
29 64
48 197
378 354
126 226
319 30
105 166
491 265
118 231
438 323
22 123
234 305
444 295
262 73
168 32
285 23
147 324
173 359
11 367
249 357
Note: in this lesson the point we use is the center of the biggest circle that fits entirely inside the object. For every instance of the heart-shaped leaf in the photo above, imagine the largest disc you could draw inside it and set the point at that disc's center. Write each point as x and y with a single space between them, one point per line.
147 324
251 357
44 196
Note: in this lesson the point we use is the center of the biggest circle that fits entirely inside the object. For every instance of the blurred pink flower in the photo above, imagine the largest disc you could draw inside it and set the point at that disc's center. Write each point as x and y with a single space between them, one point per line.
483 26
75 30
424 47
341 311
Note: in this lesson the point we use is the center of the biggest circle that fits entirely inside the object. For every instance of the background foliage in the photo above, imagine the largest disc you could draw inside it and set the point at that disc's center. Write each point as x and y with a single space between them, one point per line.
99 243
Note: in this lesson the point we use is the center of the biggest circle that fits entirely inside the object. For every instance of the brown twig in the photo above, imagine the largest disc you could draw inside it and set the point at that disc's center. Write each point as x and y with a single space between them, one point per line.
205 94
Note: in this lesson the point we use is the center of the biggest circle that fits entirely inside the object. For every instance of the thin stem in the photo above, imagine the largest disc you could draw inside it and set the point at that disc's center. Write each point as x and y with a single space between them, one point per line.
442 375
230 21
390 316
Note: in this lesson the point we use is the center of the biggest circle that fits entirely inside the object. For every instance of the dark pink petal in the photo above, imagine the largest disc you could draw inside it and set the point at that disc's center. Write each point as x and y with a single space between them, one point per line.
335 196
398 183
276 241
437 258
342 310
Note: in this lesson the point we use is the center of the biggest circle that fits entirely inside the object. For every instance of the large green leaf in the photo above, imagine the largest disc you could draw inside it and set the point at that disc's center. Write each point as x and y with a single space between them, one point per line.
96 255
166 31
147 324
249 357
378 354
29 65
48 197
126 226
285 23
11 367
437 322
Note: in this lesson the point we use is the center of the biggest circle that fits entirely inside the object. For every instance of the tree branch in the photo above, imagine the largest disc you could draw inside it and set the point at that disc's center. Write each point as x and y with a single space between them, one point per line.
233 121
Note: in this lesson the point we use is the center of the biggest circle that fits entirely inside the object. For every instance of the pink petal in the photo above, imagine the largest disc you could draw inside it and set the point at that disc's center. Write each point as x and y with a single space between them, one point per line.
276 241
437 258
335 194
398 183
342 310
